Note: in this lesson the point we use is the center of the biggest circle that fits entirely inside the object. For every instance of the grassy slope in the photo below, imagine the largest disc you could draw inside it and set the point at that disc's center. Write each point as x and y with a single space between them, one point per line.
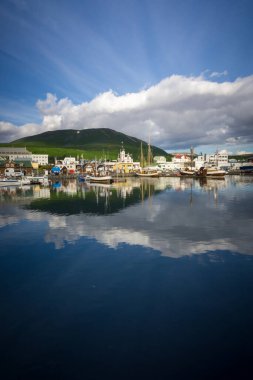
90 143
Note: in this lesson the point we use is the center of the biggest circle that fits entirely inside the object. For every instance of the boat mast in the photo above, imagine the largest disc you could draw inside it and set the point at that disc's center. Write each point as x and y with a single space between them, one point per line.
149 153
192 153
142 158
96 167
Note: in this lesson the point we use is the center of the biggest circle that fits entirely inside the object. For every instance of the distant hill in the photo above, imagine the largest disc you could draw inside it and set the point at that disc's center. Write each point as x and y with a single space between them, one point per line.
89 142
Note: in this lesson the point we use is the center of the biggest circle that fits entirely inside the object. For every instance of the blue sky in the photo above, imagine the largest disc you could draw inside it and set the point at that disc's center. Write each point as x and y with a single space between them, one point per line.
83 50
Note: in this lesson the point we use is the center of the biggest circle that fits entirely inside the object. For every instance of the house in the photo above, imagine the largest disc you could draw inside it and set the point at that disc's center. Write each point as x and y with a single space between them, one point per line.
67 165
160 159
18 167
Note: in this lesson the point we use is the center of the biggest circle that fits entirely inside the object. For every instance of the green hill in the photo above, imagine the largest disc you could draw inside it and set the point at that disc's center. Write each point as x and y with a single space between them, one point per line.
91 143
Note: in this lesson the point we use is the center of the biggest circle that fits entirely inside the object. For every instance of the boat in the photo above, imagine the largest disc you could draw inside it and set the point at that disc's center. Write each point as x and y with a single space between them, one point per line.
99 179
212 172
39 180
81 178
246 169
147 171
6 181
98 176
215 172
188 172
9 182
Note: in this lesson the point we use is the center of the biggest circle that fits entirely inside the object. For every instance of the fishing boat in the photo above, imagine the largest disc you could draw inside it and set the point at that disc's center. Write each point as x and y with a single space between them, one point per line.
147 171
246 169
39 180
81 178
215 172
99 179
99 176
9 182
6 181
210 172
188 172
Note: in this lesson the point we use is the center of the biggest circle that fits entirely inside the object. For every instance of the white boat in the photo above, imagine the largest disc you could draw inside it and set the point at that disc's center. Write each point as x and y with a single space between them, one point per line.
210 172
188 172
215 172
39 180
9 182
148 173
25 181
99 179
14 181
204 172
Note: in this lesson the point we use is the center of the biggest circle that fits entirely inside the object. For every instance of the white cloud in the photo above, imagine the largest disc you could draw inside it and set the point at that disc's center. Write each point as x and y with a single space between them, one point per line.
217 74
177 112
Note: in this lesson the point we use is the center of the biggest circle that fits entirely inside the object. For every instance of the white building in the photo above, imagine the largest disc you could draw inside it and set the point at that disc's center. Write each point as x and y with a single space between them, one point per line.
15 153
160 159
69 163
123 157
123 164
179 161
219 159
41 159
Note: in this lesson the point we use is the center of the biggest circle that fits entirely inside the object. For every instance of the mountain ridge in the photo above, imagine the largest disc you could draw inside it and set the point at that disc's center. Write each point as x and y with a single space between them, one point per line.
87 140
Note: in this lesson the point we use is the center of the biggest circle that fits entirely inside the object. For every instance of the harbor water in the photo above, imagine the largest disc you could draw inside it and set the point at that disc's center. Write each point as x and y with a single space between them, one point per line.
144 279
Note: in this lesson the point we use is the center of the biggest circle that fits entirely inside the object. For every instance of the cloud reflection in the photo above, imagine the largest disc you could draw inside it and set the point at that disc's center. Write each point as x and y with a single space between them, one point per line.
182 218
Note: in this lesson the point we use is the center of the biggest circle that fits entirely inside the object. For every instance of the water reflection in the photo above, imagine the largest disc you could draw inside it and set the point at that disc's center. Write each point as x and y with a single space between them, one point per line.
174 216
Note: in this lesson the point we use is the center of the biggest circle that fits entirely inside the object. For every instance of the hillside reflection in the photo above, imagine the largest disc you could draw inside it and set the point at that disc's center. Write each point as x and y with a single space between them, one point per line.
174 216
74 198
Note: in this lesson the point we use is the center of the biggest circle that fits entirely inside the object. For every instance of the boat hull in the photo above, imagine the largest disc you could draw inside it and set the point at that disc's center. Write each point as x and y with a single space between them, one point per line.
189 173
145 175
246 169
103 179
215 175
208 172
39 180
10 183
14 182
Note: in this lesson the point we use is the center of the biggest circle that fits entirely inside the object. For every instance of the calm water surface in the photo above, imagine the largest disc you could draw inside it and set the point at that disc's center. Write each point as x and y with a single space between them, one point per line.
147 279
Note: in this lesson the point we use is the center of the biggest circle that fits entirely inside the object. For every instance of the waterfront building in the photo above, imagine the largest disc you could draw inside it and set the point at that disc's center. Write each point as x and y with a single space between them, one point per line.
41 159
123 165
179 161
200 161
14 153
17 153
160 159
218 159
68 164
15 167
